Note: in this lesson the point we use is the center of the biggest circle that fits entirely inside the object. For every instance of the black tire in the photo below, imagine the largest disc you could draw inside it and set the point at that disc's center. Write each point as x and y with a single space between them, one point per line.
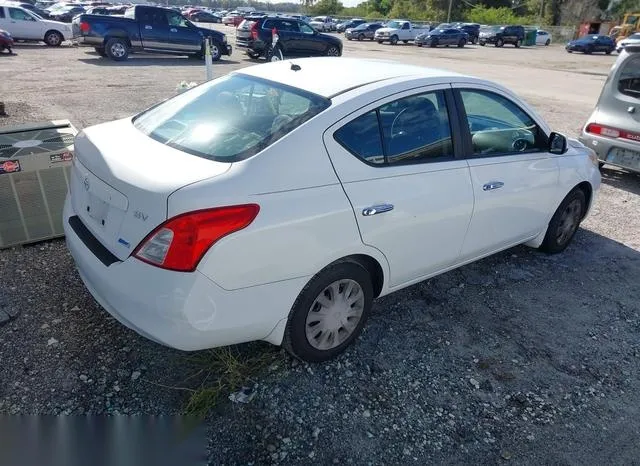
405 41
419 45
588 51
216 51
295 338
600 165
253 55
474 40
608 52
499 43
117 49
380 41
461 43
482 44
333 51
565 222
100 51
547 42
433 43
275 54
393 40
53 38
360 37
518 43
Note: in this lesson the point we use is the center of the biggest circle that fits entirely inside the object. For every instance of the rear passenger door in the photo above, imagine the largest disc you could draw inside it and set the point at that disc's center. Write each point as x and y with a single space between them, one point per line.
154 29
411 196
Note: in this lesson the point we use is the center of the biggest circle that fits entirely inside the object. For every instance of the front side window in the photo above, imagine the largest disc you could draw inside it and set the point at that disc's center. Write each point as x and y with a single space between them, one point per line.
176 20
409 130
498 126
231 118
20 15
629 81
1 12
306 29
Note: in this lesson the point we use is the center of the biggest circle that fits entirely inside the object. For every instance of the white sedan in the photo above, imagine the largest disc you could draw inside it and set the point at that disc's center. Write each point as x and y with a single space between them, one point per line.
275 204
543 38
23 24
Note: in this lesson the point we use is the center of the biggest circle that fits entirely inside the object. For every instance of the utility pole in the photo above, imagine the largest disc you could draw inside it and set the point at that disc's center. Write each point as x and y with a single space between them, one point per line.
541 12
449 12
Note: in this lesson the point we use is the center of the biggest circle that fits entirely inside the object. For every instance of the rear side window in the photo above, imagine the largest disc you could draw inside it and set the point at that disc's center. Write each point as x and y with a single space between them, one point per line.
361 137
410 130
629 81
1 12
231 118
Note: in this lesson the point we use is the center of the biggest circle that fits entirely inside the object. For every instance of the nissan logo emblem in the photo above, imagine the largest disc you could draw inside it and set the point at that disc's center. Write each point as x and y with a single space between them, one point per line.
86 183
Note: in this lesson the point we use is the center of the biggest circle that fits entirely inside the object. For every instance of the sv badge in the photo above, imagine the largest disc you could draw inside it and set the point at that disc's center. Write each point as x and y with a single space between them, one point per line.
140 215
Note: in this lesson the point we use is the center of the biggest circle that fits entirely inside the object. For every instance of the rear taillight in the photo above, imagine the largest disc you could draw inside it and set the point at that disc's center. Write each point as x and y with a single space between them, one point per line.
180 242
609 132
84 26
254 31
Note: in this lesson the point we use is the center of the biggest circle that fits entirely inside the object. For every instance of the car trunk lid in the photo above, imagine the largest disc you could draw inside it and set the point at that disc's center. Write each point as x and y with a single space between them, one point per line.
122 179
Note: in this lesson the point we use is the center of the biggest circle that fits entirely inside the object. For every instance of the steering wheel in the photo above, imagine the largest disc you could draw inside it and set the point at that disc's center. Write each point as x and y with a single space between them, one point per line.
397 132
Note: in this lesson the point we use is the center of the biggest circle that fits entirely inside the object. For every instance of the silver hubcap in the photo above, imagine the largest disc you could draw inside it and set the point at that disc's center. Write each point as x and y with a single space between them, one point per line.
334 314
53 39
214 51
118 50
333 52
569 221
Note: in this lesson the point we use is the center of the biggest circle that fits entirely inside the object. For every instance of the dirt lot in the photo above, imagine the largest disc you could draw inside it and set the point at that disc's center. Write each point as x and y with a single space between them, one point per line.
521 357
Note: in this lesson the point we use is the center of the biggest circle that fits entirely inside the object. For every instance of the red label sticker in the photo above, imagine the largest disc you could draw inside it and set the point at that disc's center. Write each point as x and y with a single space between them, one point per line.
10 166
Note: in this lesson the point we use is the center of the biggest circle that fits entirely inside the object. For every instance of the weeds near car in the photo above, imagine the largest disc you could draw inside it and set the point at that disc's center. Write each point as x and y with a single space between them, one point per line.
222 371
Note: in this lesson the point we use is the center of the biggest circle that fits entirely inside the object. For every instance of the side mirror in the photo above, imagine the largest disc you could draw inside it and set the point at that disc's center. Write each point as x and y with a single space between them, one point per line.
557 143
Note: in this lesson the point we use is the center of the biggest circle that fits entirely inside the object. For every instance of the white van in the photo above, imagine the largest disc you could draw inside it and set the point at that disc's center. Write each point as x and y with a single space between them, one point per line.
25 25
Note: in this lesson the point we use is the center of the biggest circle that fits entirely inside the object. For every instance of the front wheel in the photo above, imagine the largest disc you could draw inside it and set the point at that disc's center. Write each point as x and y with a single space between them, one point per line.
393 40
380 42
333 51
547 42
117 49
330 312
462 43
499 43
53 38
216 51
608 52
405 41
518 43
360 37
565 222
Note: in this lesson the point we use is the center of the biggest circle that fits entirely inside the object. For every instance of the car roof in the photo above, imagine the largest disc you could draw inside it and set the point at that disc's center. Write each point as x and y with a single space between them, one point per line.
354 73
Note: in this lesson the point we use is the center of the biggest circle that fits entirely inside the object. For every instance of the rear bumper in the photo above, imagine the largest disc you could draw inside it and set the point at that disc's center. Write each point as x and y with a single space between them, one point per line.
602 146
186 311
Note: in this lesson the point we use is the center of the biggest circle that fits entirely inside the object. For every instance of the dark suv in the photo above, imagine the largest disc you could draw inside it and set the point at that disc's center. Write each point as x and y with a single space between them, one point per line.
472 30
500 35
295 39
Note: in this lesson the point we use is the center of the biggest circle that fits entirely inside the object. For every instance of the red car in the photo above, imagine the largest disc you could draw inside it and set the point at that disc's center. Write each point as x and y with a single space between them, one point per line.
6 41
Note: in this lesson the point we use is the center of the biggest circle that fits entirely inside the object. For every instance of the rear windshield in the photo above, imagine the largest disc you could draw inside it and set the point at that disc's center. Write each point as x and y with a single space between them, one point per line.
629 82
230 118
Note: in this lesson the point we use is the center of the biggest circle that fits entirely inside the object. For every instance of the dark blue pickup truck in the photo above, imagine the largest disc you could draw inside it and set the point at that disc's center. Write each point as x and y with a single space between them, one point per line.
149 29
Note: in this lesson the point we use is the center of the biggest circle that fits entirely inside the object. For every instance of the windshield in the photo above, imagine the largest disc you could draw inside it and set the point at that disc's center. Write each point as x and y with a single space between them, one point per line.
230 118
362 26
394 24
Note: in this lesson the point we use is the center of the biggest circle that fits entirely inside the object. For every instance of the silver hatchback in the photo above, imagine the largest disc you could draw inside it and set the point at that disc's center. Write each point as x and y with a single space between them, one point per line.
613 129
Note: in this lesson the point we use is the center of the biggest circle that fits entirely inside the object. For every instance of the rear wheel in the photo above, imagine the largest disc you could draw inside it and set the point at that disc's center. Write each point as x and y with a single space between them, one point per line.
330 312
433 43
393 40
405 41
518 43
565 222
117 49
499 43
380 42
53 38
608 52
588 50
253 55
360 37
275 54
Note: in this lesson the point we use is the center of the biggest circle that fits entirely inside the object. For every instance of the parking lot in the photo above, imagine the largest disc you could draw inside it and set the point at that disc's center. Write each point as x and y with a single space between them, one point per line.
521 357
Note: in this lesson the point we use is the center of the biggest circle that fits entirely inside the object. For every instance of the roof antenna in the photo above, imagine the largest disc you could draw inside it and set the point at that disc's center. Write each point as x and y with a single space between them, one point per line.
295 67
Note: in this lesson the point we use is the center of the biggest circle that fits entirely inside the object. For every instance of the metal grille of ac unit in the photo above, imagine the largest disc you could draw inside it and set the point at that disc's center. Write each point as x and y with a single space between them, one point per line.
32 199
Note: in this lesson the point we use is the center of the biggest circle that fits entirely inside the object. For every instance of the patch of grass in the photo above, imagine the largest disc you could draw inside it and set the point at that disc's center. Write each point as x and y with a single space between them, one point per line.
222 371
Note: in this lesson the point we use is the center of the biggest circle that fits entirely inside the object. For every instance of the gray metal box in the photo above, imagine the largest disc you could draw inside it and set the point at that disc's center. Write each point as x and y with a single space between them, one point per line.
35 165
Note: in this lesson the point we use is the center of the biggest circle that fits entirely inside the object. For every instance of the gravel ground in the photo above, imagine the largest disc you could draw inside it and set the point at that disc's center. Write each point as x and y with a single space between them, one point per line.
521 357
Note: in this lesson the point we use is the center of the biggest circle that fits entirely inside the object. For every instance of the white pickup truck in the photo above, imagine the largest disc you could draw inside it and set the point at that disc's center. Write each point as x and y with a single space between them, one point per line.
395 31
24 25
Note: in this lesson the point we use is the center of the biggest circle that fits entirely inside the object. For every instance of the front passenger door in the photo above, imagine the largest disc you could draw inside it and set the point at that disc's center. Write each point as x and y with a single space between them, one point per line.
22 25
183 36
314 44
411 197
515 179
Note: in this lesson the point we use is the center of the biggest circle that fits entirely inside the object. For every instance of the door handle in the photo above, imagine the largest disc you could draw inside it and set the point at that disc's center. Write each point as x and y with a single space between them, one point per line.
492 185
376 209
173 30
148 27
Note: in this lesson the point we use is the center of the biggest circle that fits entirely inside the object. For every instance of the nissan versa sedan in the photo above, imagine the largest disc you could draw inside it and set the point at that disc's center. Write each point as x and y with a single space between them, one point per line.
275 204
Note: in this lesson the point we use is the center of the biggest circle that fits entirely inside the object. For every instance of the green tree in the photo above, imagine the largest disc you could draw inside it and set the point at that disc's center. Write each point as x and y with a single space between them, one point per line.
327 7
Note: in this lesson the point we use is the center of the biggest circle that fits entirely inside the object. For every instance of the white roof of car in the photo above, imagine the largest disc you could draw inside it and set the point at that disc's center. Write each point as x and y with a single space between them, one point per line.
329 76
